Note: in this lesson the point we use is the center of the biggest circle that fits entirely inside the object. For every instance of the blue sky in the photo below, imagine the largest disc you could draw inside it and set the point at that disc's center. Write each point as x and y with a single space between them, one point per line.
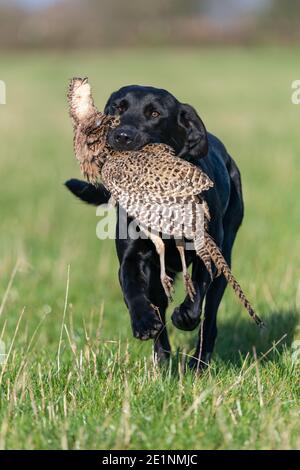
224 10
240 4
35 3
218 9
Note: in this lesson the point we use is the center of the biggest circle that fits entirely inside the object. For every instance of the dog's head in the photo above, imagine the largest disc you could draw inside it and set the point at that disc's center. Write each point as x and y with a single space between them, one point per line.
153 115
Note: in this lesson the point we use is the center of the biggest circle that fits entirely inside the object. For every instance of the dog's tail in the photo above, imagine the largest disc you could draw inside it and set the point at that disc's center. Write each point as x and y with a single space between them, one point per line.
87 192
223 268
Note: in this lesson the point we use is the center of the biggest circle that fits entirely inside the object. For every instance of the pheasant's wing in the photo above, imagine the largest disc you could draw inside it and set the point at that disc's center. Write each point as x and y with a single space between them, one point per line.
142 184
156 170
177 177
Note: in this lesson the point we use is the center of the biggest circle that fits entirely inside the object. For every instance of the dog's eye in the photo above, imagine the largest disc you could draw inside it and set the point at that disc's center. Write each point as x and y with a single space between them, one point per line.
155 114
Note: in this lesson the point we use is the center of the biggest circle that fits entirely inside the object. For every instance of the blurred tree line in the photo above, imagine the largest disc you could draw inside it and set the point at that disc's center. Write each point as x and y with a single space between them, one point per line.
96 23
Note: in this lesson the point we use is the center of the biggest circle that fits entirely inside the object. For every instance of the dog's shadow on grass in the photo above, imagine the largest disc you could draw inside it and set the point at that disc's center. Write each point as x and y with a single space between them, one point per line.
237 336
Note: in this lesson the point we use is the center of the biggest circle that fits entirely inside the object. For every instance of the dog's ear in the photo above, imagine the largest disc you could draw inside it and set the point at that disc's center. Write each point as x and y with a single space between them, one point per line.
196 143
108 109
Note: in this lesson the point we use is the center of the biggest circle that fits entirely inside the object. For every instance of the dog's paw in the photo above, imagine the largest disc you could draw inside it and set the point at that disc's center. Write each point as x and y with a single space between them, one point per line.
184 318
146 323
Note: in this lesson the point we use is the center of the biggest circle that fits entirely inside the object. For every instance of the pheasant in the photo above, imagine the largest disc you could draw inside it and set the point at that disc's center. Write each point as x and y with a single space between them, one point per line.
162 192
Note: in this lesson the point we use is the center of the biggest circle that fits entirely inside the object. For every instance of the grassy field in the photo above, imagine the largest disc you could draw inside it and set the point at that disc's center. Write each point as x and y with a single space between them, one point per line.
74 377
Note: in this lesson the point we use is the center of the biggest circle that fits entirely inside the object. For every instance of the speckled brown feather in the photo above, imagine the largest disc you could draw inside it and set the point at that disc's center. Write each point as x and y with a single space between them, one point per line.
154 186
90 128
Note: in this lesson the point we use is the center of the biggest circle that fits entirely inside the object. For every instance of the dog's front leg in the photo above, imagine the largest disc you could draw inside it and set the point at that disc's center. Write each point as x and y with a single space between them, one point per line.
145 320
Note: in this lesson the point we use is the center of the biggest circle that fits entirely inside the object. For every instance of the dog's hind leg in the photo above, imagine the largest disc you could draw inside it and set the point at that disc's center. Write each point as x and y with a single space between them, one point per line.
208 330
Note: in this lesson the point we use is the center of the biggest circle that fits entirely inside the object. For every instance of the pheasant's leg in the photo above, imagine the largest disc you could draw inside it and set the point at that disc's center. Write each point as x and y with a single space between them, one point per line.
188 283
166 281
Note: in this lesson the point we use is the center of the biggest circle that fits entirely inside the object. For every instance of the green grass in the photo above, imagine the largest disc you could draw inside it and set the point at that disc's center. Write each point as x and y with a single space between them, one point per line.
107 392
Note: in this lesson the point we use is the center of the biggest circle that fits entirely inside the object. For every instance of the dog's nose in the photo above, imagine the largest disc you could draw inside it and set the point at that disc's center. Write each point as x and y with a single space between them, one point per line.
123 137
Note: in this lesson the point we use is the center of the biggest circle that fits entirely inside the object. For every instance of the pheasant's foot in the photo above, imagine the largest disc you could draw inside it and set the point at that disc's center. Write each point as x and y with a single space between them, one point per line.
189 286
167 283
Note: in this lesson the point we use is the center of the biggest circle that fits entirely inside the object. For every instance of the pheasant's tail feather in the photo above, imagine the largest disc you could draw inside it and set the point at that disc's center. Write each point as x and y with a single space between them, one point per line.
206 259
223 267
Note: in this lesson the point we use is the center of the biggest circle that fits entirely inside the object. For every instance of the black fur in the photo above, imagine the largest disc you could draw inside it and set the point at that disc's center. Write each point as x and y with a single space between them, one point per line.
178 125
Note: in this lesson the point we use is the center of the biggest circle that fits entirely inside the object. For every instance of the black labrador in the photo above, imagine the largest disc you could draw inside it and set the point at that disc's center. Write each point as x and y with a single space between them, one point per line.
154 115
